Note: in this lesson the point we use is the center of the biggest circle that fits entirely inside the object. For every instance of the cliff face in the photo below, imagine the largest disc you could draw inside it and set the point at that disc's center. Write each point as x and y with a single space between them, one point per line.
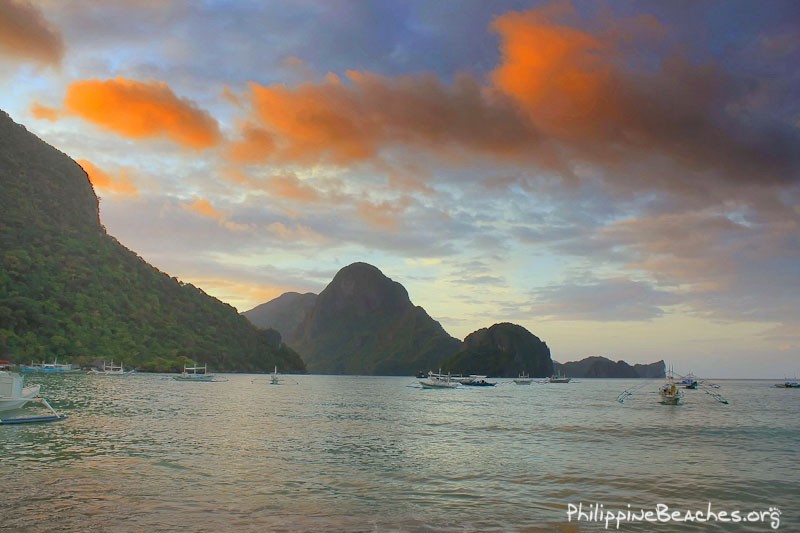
71 291
43 189
284 314
601 367
502 350
365 323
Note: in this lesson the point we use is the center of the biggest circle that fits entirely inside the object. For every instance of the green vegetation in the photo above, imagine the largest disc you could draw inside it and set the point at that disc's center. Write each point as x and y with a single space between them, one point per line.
69 290
364 323
502 350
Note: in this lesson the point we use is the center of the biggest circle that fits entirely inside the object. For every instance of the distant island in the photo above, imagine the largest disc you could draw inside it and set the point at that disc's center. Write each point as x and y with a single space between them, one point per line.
364 323
602 367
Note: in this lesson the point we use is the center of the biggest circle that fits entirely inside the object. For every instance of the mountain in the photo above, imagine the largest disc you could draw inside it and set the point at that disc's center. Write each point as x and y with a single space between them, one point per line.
601 367
502 350
71 291
284 314
365 323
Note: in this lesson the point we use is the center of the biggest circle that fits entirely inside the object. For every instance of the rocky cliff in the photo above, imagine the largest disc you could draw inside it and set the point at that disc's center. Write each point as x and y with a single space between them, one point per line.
284 314
71 291
602 367
502 350
365 323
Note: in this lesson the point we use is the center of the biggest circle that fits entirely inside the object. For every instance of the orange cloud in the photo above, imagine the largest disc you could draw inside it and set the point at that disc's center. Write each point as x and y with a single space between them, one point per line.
203 207
122 185
315 120
257 145
571 101
26 34
140 110
346 121
559 74
597 101
292 188
42 112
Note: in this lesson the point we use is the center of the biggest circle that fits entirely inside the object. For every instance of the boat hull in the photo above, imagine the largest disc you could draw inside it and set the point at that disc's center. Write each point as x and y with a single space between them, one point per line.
670 396
198 378
433 384
670 400
13 394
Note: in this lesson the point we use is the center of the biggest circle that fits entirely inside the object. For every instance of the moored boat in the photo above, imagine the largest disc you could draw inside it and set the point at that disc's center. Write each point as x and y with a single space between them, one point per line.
670 392
110 369
438 381
689 381
48 368
479 383
558 378
523 379
15 395
195 373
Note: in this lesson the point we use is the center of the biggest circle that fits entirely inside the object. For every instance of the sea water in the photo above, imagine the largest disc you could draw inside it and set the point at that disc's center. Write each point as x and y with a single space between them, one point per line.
344 453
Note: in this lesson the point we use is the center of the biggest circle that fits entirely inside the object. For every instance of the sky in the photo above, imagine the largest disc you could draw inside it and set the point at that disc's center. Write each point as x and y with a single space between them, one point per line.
621 178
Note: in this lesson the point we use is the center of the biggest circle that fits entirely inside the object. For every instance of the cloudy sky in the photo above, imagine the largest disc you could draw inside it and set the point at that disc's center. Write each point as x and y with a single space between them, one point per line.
622 178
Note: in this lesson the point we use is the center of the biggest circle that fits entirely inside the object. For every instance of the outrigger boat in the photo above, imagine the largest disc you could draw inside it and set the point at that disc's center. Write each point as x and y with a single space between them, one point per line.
15 395
788 385
111 370
195 373
523 379
558 378
669 393
438 381
689 381
478 381
48 368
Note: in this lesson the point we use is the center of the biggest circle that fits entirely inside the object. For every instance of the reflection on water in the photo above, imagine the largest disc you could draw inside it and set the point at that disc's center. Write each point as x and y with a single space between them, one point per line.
147 453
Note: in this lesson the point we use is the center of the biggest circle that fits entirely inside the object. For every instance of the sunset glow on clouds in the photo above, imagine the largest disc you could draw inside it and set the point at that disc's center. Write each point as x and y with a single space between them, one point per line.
104 182
621 179
140 110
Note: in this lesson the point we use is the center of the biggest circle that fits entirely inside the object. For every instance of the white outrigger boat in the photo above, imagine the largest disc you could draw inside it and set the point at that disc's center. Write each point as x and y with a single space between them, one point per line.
788 384
196 374
438 381
669 393
111 370
15 395
558 378
523 379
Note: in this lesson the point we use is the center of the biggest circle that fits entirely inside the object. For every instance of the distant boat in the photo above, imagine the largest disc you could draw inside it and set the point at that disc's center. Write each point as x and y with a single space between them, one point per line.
689 381
15 395
274 378
48 368
788 385
438 381
479 383
194 373
523 379
558 378
110 369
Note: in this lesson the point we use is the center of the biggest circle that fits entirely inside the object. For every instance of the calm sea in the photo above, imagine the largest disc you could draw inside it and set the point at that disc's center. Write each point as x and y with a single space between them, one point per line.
337 453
